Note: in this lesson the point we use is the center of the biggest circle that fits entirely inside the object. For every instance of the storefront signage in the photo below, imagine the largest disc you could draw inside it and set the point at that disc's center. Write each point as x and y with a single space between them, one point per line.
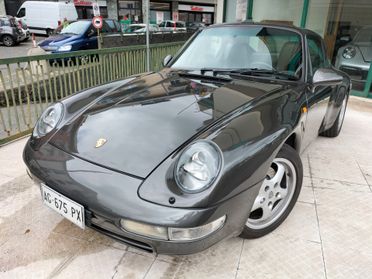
194 8
89 3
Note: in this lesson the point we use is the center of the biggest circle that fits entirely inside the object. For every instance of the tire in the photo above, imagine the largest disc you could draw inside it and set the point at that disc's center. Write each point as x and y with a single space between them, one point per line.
335 130
8 40
49 32
280 188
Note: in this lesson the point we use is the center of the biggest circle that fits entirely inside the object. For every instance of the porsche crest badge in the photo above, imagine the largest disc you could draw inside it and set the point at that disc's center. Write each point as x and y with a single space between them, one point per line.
100 142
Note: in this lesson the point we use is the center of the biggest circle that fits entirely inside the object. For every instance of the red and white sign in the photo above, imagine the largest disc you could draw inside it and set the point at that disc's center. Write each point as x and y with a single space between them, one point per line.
194 8
97 22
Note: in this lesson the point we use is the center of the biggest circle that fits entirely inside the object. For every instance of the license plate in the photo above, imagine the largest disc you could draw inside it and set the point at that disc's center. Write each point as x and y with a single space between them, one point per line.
64 206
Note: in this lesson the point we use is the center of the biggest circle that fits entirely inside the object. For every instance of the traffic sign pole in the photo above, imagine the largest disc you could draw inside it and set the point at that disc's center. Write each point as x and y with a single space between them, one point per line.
97 22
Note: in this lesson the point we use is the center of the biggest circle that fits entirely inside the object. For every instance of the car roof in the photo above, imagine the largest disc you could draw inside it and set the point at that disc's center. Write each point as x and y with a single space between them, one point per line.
303 31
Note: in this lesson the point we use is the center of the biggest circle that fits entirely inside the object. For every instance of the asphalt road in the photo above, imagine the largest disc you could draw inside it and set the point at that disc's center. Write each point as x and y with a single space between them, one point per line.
19 50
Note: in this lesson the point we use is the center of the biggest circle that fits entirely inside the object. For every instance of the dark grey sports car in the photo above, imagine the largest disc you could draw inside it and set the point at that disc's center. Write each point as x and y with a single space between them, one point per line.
208 148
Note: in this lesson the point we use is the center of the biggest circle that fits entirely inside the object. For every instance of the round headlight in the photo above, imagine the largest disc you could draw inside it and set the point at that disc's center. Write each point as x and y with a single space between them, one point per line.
349 52
48 120
198 166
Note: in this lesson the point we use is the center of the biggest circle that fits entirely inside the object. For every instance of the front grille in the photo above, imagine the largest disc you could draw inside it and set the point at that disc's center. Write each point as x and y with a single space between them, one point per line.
106 227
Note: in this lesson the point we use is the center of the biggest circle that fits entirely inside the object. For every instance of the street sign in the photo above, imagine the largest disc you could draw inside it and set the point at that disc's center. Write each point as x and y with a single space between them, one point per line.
95 7
97 22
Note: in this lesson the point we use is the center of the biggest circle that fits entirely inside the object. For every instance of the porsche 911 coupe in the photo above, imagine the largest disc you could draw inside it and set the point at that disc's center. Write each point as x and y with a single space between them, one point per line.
208 148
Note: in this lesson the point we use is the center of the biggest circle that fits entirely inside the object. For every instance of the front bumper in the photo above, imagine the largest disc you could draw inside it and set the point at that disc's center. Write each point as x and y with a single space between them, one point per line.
109 196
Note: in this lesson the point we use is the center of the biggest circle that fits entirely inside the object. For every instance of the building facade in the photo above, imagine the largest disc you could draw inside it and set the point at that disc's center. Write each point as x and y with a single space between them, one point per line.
185 10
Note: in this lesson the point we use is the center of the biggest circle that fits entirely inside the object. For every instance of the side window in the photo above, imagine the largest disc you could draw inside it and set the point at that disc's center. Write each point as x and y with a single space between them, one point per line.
6 22
106 28
316 52
21 12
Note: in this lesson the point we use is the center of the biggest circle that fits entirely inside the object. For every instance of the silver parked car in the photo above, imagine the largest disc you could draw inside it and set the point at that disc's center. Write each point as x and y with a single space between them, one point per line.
355 57
10 32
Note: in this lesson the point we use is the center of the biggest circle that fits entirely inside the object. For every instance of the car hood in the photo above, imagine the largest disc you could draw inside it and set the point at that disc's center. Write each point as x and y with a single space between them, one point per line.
366 51
58 40
133 128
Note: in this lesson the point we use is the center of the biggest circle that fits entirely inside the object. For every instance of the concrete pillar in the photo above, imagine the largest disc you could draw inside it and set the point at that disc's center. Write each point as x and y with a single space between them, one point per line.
2 7
112 9
174 6
219 11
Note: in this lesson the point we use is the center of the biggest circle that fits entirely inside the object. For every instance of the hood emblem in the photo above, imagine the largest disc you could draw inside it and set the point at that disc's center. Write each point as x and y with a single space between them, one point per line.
100 142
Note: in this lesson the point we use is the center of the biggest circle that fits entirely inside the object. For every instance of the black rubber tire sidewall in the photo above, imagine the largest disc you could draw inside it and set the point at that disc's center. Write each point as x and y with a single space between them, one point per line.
286 152
8 36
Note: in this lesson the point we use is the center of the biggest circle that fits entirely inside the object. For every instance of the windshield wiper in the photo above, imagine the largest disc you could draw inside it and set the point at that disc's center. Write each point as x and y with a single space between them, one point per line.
249 71
202 75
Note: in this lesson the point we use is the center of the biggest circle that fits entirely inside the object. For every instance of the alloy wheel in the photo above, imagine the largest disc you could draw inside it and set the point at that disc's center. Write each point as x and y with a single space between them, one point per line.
274 195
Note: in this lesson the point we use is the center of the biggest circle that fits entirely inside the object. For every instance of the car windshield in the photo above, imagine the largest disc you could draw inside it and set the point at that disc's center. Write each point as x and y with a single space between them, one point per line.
77 28
243 48
364 36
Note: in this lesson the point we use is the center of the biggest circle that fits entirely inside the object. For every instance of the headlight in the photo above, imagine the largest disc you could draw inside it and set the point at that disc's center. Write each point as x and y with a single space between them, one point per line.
48 120
349 52
65 48
198 166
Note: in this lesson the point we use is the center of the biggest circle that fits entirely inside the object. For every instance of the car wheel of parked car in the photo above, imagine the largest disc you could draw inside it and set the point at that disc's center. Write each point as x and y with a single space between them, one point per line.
49 32
335 130
8 40
277 195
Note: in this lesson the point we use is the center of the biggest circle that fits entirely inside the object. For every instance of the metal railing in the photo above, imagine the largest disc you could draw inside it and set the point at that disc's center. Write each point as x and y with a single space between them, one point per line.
29 84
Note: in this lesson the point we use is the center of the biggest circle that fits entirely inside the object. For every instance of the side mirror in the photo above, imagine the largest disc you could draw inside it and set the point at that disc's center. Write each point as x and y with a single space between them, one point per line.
167 59
326 77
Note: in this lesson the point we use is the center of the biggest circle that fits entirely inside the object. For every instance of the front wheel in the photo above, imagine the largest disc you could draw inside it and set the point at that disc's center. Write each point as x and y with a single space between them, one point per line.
8 41
277 195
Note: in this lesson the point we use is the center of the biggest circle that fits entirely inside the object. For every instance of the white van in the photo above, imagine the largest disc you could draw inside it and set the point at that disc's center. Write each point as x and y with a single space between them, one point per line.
43 17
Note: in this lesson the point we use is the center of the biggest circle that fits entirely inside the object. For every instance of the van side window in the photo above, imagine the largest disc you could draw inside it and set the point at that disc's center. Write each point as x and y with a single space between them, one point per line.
21 12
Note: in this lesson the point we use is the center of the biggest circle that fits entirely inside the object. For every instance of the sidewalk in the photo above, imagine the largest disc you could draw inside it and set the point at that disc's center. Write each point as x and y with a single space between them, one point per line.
328 234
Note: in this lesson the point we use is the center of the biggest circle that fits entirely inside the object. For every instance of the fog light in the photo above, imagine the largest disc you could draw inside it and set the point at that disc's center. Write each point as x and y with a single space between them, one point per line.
184 234
144 229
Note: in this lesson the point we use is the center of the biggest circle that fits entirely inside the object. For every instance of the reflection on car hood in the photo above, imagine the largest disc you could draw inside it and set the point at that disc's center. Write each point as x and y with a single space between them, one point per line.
366 50
135 127
58 40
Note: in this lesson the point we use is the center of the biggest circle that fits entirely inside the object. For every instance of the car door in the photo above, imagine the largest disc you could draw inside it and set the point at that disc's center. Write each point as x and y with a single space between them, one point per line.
91 38
317 99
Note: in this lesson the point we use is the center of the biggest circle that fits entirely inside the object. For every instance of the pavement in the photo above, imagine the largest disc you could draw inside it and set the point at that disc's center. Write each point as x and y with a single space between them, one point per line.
327 235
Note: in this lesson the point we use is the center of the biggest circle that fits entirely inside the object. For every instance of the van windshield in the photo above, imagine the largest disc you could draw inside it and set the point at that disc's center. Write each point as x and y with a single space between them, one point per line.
76 28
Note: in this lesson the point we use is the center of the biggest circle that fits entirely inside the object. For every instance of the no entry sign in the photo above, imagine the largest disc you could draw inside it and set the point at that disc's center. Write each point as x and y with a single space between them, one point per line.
97 22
